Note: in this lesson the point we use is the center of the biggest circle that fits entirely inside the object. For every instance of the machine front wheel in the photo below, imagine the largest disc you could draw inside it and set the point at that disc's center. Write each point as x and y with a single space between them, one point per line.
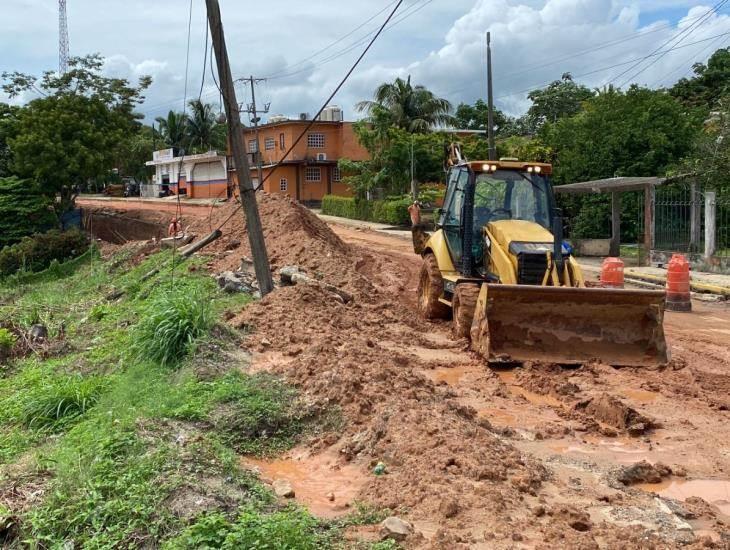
465 300
430 289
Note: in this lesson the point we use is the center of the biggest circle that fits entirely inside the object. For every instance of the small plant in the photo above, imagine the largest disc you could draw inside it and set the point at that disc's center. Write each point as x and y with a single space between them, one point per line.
173 322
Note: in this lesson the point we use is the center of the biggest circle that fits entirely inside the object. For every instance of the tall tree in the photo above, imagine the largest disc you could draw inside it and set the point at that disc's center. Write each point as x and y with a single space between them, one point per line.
709 84
562 98
411 108
72 133
640 132
173 129
201 122
7 118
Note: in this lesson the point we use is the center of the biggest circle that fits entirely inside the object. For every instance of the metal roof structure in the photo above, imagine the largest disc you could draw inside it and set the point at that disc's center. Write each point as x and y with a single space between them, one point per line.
610 185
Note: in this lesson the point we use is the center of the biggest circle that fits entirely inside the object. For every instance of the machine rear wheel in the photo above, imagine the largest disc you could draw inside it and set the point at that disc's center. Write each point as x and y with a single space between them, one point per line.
464 303
430 289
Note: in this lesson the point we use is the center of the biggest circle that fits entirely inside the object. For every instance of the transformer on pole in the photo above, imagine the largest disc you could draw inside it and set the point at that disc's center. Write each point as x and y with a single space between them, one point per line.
62 37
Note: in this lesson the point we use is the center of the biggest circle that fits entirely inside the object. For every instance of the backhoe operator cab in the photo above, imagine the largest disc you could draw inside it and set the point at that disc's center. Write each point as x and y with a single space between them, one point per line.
481 196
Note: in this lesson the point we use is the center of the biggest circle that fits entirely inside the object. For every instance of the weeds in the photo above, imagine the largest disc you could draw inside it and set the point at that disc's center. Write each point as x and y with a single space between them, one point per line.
57 404
171 325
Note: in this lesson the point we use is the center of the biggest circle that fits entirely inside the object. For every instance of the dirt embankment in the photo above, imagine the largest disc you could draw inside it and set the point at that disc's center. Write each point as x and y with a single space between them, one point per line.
473 458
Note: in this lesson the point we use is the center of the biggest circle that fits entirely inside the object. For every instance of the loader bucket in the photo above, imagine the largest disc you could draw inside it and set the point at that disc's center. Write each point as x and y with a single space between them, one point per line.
573 325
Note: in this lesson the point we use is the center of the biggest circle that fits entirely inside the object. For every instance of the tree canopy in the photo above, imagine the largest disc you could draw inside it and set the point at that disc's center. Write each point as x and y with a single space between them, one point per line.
561 98
709 84
194 132
73 133
411 108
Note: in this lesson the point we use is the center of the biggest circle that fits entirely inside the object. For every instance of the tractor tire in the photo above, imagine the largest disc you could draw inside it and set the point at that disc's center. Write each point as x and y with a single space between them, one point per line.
430 289
464 303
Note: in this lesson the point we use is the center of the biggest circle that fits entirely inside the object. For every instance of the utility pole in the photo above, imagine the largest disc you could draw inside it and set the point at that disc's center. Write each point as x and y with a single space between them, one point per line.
414 185
235 136
490 101
251 109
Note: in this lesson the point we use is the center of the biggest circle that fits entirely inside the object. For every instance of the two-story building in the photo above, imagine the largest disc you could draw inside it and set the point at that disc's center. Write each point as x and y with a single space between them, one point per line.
310 171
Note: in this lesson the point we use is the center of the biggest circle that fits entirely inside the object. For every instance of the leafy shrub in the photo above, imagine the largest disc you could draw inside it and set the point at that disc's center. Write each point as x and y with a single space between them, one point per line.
394 212
38 252
172 323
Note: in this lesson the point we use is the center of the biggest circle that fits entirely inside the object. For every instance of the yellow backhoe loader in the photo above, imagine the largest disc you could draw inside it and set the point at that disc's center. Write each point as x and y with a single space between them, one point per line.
498 265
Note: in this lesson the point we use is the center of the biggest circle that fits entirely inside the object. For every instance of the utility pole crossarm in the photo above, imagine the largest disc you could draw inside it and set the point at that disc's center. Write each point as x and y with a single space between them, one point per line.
235 128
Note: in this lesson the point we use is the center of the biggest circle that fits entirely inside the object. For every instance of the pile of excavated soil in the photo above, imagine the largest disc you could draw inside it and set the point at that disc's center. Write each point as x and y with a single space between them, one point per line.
459 480
293 235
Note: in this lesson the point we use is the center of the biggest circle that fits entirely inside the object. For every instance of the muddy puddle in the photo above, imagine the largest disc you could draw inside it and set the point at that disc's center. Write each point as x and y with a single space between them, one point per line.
324 486
714 491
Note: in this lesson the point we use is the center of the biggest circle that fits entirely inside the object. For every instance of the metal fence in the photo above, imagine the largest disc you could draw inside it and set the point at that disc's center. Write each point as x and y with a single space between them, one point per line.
693 221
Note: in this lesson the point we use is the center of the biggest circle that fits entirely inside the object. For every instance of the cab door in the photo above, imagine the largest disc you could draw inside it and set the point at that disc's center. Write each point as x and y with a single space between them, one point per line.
451 218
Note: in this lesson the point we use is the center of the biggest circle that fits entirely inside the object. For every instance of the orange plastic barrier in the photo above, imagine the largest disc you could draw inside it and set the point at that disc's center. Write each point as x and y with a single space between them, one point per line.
612 273
678 293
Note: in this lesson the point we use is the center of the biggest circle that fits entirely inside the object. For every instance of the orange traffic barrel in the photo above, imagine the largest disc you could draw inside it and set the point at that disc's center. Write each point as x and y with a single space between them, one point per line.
612 273
678 293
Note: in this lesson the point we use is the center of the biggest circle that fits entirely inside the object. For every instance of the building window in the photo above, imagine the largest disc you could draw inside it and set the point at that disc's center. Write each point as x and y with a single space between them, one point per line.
315 141
283 184
313 173
336 176
253 146
281 142
269 144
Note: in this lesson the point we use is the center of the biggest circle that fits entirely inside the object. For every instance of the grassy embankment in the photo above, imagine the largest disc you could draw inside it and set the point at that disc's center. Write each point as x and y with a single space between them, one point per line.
125 428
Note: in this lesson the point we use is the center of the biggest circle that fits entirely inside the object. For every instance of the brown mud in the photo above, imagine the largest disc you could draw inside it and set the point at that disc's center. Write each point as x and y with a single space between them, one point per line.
476 457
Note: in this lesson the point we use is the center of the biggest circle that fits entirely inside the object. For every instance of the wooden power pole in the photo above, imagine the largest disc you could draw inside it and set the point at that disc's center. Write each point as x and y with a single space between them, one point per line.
235 135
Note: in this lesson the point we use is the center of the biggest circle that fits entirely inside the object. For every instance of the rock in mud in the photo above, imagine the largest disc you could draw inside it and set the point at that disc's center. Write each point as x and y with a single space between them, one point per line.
395 528
643 472
233 282
283 488
609 410
449 507
38 332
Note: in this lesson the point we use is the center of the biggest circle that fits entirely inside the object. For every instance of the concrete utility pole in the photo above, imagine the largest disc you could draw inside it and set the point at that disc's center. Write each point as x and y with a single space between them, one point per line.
490 101
251 109
235 135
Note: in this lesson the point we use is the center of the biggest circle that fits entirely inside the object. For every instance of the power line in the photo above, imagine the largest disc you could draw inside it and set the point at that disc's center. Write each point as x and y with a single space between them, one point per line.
693 59
405 15
331 44
680 36
602 69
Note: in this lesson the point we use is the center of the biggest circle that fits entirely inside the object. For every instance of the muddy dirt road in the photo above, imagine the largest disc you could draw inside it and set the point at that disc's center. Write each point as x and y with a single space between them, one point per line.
685 407
534 457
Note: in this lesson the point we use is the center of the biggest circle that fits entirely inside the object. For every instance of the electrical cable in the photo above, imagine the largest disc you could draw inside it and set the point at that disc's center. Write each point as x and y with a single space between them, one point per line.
405 15
330 45
679 36
178 208
696 58
327 102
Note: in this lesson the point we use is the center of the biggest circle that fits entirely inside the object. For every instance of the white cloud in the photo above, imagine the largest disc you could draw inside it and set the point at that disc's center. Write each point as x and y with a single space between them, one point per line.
440 43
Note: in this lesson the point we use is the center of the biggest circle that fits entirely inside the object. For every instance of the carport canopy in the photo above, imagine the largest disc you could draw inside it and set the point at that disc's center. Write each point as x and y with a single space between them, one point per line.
616 186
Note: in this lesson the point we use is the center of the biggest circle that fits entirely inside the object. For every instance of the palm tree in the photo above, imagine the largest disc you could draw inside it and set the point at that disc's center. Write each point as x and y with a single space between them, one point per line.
172 129
201 126
412 108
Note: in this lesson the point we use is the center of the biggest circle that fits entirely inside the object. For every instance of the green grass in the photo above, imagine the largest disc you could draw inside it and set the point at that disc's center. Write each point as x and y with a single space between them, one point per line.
145 406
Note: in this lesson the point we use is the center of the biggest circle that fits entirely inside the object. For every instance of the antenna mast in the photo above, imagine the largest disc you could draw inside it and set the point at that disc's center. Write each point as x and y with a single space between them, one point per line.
62 37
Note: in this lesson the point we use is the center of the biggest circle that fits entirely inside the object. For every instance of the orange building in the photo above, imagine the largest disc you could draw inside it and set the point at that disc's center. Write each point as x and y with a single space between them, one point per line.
310 171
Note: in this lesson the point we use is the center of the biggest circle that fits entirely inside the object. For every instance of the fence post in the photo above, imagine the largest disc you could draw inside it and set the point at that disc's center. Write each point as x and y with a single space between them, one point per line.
695 217
649 194
710 223
615 247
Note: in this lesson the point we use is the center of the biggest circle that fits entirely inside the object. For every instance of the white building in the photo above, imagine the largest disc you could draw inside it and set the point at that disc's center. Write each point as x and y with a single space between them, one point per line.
197 176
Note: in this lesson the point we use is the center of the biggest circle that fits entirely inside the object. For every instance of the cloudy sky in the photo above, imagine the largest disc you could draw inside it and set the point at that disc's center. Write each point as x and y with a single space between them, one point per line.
304 48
